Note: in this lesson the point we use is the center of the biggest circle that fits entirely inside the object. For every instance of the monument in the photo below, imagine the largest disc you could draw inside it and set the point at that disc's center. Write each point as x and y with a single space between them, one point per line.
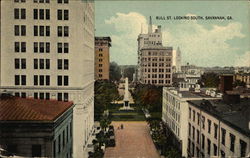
127 100
126 95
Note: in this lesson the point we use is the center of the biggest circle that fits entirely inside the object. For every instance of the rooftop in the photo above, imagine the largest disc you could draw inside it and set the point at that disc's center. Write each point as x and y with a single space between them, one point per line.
103 38
235 115
29 109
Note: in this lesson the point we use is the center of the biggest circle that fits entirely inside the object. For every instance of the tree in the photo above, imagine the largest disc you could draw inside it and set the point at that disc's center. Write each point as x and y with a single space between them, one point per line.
105 93
114 72
209 80
239 83
149 97
128 72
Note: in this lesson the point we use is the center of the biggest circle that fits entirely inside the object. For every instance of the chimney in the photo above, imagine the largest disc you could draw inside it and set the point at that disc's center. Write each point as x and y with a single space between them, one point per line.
150 25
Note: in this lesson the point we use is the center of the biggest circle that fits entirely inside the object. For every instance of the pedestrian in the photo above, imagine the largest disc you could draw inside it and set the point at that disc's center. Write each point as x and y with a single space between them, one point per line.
121 126
118 127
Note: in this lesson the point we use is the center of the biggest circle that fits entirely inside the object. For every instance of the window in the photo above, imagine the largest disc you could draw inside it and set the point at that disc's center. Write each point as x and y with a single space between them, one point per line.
59 47
41 47
62 1
209 125
35 30
23 63
66 80
17 63
36 151
203 122
202 141
208 146
198 136
59 31
41 14
59 80
35 80
193 115
59 15
66 31
35 95
35 63
66 96
232 142
47 96
198 118
17 46
17 31
41 95
189 129
66 47
41 30
23 30
47 80
215 130
47 63
63 142
59 64
59 96
35 14
23 14
193 133
215 150
41 63
47 47
16 13
35 47
66 14
223 136
243 147
23 47
41 79
190 113
66 64
47 14
23 94
59 143
47 30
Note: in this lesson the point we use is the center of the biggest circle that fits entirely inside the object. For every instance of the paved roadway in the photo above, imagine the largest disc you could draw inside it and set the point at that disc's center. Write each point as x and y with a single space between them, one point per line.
133 141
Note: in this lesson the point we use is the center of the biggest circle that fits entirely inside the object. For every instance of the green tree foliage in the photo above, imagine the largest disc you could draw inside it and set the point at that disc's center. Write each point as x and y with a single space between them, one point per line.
239 83
148 96
209 80
105 93
114 72
128 72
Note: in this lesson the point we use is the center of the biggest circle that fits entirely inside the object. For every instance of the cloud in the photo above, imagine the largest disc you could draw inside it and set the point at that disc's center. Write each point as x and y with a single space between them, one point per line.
124 42
243 60
203 46
199 45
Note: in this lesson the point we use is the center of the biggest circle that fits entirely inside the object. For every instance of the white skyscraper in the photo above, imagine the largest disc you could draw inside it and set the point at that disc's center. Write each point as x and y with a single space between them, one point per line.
47 52
154 60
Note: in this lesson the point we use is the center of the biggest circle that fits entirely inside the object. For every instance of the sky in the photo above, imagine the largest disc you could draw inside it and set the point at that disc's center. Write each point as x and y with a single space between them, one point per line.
202 42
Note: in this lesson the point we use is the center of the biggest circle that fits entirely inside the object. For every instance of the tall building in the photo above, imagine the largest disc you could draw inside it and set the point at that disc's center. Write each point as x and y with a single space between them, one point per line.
36 128
47 52
102 45
154 60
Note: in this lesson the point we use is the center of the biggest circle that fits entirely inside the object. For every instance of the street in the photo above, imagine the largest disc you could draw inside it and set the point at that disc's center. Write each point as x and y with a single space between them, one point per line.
133 141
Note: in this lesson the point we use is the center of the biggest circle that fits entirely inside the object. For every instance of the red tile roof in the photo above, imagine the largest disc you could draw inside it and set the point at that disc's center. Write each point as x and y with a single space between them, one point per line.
29 109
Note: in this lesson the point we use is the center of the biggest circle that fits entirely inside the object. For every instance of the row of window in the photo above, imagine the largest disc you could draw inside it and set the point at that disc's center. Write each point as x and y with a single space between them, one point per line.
207 150
157 81
44 95
62 31
42 80
42 1
41 47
